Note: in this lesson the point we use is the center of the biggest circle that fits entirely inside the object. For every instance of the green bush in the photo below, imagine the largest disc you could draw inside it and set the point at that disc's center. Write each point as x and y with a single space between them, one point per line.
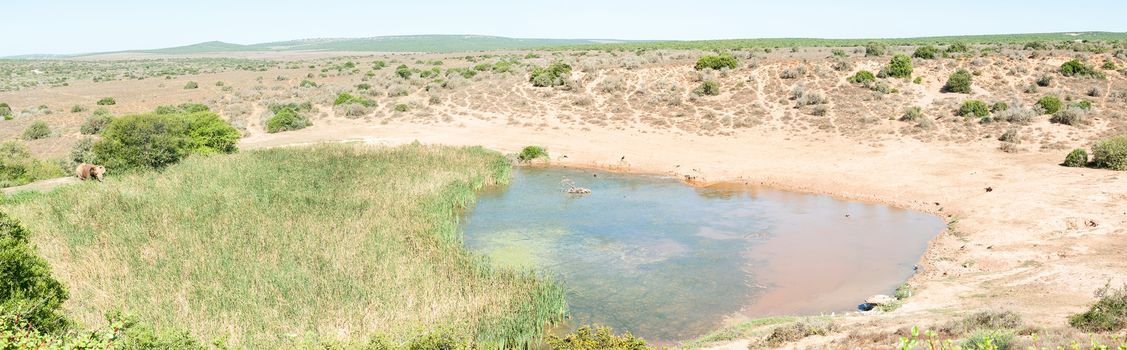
1049 104
988 339
297 107
402 107
863 77
286 119
957 47
708 87
182 108
1111 153
95 122
27 290
999 107
912 114
1076 159
959 82
5 110
347 98
555 74
529 153
77 109
1109 65
81 152
1108 314
975 108
363 86
191 85
37 130
926 52
1076 68
596 338
875 49
305 83
899 67
153 141
107 101
716 62
403 72
18 166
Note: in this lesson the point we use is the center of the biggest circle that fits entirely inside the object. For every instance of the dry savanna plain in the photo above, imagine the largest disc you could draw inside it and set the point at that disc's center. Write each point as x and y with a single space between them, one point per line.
1029 241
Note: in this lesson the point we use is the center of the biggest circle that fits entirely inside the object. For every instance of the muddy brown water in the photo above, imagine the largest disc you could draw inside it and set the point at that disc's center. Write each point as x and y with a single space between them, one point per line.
670 262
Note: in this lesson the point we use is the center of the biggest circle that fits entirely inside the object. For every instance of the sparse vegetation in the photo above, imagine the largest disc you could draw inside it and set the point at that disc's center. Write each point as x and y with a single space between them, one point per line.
107 101
716 62
18 167
708 88
959 82
799 330
345 98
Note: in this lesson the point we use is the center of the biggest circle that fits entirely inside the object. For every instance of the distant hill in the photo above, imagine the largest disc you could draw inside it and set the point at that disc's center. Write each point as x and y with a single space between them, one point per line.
734 44
406 43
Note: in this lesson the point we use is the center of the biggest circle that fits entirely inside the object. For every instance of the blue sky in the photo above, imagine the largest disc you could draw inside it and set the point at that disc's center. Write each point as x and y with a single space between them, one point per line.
73 26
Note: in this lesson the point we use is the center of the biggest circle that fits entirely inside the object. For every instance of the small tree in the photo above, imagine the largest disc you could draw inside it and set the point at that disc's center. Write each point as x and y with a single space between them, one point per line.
37 130
959 82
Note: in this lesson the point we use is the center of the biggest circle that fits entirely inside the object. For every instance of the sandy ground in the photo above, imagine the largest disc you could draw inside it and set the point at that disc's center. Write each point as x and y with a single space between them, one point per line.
1040 243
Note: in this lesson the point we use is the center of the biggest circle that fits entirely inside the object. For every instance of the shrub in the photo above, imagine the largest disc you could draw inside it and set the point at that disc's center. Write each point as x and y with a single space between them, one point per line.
875 49
555 74
1017 115
347 98
296 107
363 86
999 107
1077 68
1076 159
975 108
716 62
596 338
152 141
899 67
529 153
95 122
403 72
81 152
182 108
306 83
27 289
402 107
37 130
5 110
1049 104
1083 104
1109 65
959 82
18 166
1108 314
191 85
810 98
988 339
926 52
799 330
77 109
1094 92
1111 153
957 47
107 101
286 119
708 87
792 73
912 114
1009 136
863 77
1045 80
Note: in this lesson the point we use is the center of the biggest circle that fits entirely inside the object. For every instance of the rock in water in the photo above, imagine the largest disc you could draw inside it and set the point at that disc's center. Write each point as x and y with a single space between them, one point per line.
880 299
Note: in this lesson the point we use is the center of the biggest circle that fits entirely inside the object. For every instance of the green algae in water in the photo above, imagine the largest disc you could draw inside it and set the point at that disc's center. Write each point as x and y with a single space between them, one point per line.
670 262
